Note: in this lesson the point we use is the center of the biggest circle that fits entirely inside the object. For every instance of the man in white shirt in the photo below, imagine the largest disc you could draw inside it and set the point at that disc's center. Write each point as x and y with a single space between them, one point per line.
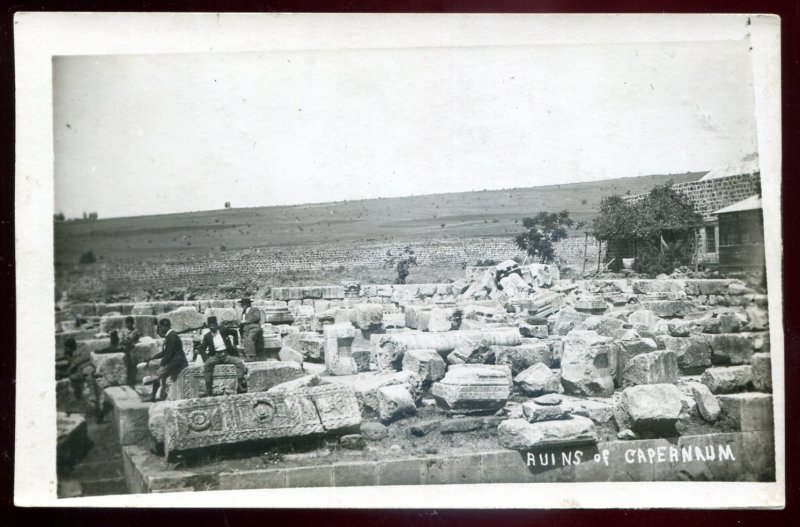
220 350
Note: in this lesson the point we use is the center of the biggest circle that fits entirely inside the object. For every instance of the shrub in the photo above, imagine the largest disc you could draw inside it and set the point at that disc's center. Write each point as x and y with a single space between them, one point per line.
87 258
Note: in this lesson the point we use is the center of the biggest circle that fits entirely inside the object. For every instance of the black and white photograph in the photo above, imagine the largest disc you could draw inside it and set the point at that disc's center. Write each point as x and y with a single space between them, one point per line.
496 254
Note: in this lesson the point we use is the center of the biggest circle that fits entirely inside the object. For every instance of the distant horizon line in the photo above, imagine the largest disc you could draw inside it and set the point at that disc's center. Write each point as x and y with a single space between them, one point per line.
701 172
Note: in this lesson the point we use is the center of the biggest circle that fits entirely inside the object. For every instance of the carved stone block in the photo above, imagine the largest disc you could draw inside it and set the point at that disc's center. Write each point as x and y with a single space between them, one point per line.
191 383
214 421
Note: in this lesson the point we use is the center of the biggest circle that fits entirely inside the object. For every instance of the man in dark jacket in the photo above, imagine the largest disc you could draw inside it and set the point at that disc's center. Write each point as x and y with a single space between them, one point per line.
173 360
220 351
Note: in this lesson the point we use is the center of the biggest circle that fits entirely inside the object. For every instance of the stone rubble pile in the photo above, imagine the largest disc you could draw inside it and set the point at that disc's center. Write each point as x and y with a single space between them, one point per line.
548 362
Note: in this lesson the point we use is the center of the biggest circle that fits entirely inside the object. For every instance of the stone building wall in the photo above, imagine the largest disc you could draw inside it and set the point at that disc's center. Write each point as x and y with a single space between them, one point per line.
713 194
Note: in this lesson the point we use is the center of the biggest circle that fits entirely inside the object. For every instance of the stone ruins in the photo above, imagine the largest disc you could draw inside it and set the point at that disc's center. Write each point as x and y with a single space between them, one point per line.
507 374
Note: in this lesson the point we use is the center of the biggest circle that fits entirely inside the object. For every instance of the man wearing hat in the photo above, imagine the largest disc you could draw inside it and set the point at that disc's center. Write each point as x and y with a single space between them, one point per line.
250 328
173 360
220 351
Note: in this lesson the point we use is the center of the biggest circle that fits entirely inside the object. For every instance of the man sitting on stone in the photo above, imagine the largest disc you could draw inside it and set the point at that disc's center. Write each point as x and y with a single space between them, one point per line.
128 338
173 360
220 351
252 332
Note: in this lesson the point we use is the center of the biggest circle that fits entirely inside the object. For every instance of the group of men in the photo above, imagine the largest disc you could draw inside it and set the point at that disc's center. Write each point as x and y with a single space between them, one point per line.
217 346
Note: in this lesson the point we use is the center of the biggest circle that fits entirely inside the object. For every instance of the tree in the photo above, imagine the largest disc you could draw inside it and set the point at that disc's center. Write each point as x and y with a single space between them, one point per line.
543 230
401 260
662 224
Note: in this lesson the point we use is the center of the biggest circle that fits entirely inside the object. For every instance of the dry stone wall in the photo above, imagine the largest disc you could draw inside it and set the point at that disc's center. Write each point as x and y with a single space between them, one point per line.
209 271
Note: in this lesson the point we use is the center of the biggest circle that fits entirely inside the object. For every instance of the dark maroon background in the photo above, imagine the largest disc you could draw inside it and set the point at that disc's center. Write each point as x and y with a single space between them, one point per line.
790 15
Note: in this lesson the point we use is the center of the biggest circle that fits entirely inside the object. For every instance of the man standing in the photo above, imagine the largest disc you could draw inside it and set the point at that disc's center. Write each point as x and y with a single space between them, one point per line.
220 351
128 338
173 360
251 330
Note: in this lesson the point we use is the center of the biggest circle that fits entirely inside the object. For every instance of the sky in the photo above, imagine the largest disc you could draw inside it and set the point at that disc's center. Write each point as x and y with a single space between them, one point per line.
152 134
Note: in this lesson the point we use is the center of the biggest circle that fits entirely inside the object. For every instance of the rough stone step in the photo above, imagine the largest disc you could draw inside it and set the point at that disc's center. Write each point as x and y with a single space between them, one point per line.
111 468
104 487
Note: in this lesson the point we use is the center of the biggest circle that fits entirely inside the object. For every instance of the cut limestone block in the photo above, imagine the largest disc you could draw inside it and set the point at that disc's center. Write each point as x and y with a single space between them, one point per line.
535 331
670 308
535 413
658 286
412 315
427 364
367 316
366 385
215 421
656 367
762 371
693 352
395 402
388 350
643 319
731 348
604 326
538 379
728 379
290 355
261 376
648 407
585 364
307 381
523 356
111 366
338 349
746 412
184 318
472 388
146 348
707 404
758 318
144 323
223 314
191 382
591 305
72 439
723 323
567 319
308 344
472 351
130 414
622 351
519 434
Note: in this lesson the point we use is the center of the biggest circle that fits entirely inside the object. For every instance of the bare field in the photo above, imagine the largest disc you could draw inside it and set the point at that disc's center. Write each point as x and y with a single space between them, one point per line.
496 213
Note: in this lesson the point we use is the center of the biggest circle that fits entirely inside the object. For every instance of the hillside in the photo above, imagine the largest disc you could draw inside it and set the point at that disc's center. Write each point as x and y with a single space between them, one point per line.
496 213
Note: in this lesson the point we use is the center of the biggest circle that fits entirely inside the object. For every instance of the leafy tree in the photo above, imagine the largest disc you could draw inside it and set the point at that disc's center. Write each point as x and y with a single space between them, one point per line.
543 230
401 261
662 225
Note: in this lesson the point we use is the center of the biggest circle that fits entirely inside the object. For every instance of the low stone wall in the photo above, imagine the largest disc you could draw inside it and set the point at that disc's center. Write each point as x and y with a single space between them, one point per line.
209 271
746 456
